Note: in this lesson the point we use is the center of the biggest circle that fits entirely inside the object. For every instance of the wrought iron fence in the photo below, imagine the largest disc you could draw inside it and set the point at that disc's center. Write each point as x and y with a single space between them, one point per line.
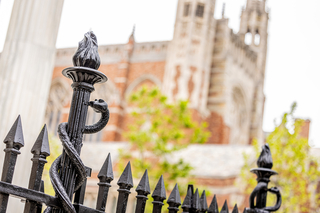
69 175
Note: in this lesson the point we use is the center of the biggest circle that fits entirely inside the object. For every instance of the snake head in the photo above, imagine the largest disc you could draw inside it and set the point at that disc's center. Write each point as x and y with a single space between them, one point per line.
99 105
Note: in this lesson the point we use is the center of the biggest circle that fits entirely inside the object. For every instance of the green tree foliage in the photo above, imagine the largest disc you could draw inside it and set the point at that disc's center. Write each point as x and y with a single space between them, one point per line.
298 170
157 129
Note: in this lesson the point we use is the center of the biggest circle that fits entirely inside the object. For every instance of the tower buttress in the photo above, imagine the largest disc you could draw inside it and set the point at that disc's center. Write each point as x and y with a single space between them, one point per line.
189 54
254 31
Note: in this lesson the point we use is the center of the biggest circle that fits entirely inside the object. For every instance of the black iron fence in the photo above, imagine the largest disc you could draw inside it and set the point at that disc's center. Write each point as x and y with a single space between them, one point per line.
69 175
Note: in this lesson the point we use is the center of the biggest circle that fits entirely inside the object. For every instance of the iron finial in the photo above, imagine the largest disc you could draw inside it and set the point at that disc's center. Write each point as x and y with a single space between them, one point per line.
235 209
225 208
106 171
187 200
213 208
41 146
126 176
203 202
175 196
15 135
160 190
144 185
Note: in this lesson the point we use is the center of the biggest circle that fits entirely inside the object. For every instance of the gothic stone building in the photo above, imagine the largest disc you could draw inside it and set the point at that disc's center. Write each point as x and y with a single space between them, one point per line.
220 72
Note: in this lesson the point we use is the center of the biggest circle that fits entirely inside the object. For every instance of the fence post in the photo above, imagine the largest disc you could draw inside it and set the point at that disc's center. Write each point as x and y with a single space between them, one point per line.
143 189
186 205
203 202
125 184
174 200
158 195
40 151
14 141
213 208
225 208
105 176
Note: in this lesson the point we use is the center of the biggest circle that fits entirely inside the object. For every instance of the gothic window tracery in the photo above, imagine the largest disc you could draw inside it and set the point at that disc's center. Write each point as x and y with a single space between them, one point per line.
200 10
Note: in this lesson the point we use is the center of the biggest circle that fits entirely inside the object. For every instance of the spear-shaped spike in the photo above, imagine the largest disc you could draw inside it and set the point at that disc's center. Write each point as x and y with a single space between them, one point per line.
14 141
41 146
186 205
159 195
15 135
105 176
106 172
235 209
196 201
203 202
174 200
126 176
40 151
143 190
126 183
225 208
213 208
144 185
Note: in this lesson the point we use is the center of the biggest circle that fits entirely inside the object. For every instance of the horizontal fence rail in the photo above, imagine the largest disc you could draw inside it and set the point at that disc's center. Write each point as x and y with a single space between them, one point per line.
69 175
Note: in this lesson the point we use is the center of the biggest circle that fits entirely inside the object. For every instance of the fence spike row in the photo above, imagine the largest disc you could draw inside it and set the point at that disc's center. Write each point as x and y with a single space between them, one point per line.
235 209
15 134
159 195
143 189
14 141
41 146
225 208
105 176
125 183
186 205
40 151
203 202
174 200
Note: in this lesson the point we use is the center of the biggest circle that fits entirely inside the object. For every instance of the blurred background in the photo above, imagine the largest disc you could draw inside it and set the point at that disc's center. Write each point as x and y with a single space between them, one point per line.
240 64
291 70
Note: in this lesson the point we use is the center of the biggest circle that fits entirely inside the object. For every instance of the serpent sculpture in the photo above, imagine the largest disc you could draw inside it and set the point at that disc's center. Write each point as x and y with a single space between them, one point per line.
99 106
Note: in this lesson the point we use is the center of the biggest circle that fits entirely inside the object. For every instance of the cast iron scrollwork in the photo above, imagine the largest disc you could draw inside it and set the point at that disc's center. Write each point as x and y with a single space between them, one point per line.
259 193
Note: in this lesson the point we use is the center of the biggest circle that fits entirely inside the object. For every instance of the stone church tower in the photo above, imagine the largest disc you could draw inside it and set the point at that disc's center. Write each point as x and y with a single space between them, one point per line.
188 59
220 73
254 30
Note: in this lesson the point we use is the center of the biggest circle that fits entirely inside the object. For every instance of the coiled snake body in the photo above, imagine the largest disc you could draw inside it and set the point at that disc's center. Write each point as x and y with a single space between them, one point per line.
99 106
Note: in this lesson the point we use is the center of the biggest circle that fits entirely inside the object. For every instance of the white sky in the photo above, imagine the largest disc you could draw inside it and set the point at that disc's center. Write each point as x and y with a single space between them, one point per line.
294 43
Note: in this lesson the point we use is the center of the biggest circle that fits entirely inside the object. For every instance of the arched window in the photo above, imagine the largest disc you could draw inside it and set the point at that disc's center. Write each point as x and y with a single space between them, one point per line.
59 97
257 38
248 38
